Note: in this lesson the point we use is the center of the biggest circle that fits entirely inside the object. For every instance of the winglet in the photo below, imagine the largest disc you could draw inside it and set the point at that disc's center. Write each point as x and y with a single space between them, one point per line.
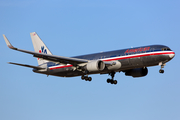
8 43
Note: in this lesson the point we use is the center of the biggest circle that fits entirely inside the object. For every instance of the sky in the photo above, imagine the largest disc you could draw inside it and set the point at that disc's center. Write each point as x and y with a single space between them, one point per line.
71 28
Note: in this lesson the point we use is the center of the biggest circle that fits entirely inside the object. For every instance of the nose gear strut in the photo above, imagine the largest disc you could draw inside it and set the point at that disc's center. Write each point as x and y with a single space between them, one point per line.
162 66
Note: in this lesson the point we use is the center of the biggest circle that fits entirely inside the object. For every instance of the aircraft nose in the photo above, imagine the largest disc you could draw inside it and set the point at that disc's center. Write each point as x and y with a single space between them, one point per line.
172 55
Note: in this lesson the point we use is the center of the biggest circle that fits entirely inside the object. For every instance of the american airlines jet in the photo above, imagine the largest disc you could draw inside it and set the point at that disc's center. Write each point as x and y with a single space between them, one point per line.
132 61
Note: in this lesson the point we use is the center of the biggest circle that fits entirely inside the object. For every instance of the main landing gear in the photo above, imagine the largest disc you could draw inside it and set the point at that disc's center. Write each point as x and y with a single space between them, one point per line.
86 78
162 66
112 81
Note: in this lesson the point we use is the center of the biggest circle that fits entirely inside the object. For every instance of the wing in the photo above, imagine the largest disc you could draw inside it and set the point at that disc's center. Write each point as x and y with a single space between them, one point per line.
53 58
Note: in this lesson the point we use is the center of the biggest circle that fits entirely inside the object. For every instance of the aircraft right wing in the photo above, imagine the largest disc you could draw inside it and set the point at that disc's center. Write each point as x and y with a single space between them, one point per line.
54 58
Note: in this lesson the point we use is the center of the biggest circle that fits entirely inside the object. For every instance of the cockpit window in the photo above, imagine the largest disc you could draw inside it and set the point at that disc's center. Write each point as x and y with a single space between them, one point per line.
164 49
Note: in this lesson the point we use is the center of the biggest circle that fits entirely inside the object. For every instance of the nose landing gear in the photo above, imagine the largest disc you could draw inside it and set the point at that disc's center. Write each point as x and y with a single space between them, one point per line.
112 81
162 66
161 71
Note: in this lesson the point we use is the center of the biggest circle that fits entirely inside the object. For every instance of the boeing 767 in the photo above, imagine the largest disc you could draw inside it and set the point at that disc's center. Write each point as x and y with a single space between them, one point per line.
132 61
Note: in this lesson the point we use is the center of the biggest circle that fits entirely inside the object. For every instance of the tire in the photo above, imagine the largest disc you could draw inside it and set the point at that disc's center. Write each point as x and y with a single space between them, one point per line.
108 80
115 82
90 78
86 78
82 77
161 71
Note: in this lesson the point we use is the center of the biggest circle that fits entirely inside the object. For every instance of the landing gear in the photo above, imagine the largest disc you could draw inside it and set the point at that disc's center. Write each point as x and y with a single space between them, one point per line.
161 71
86 78
112 81
162 66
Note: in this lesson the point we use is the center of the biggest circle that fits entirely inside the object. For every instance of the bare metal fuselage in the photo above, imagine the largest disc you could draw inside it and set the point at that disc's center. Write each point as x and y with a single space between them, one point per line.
130 59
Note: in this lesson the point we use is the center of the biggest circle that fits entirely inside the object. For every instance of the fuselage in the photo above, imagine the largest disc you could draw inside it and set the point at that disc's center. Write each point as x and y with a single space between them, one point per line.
130 58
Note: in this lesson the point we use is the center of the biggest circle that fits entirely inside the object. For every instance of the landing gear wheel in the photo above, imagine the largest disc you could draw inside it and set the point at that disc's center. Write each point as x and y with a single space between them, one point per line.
86 78
82 77
90 78
161 71
115 82
112 81
108 80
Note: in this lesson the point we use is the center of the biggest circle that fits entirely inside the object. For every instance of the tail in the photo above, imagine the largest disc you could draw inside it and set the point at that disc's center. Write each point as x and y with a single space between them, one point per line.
40 47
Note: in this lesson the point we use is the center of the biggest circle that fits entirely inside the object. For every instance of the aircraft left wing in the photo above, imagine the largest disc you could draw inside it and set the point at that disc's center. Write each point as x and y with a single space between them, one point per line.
54 58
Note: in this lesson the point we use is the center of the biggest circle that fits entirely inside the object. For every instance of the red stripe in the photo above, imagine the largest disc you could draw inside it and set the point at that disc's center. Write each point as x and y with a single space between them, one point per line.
57 67
122 57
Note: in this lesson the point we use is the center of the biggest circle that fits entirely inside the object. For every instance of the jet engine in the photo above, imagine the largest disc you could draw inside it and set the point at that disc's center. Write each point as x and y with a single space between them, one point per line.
138 72
94 66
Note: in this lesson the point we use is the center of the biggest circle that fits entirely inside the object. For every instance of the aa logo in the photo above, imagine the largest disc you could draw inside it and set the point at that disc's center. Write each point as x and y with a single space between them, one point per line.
43 50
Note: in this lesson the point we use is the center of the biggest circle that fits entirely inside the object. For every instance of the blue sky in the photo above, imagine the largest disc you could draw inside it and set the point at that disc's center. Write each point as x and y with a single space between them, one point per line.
79 27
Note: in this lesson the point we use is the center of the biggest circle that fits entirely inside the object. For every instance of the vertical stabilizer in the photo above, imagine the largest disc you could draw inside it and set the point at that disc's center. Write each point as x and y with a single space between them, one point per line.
40 47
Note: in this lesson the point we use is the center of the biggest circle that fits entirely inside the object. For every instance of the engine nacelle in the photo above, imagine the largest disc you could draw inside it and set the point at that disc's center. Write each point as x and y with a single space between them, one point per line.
138 72
94 66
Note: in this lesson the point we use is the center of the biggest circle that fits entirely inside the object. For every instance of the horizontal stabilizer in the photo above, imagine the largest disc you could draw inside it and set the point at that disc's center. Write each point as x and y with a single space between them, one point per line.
24 65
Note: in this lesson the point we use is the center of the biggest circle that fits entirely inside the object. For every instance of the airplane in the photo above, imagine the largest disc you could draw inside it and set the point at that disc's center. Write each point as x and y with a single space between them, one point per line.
132 61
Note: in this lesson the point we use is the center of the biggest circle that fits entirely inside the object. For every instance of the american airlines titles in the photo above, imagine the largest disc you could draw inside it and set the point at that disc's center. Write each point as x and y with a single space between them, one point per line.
137 50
